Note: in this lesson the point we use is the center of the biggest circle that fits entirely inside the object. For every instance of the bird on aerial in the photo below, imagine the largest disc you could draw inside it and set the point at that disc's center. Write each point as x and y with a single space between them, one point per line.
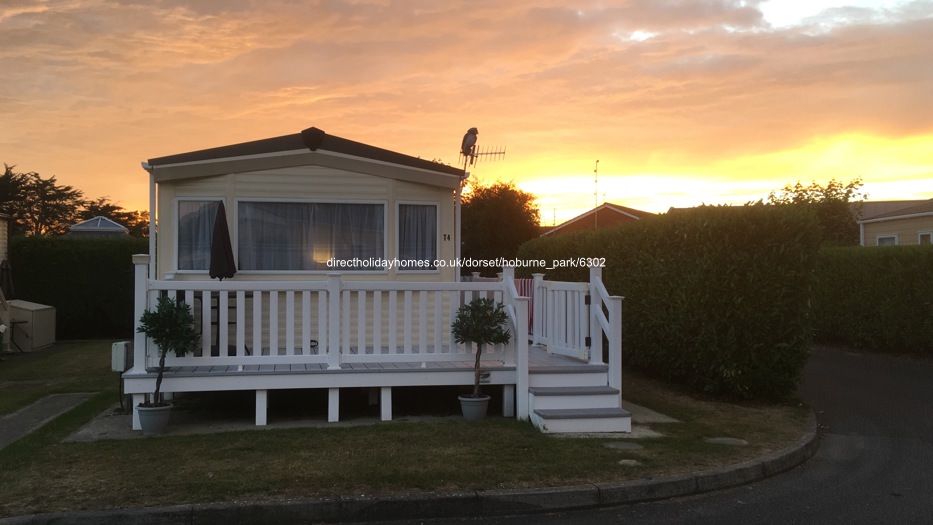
469 141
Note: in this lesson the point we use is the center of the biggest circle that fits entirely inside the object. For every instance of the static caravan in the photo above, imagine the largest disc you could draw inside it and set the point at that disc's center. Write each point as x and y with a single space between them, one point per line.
314 261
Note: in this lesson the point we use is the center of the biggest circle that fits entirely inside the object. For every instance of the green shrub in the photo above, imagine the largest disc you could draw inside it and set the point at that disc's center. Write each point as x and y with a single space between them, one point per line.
716 298
877 298
88 281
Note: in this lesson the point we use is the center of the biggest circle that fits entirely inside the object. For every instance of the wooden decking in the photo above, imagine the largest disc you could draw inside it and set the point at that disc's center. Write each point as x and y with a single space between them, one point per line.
382 375
346 333
318 368
538 359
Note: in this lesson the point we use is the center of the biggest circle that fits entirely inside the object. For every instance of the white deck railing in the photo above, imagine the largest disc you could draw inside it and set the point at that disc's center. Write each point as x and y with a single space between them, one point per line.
328 322
573 318
337 322
561 317
606 319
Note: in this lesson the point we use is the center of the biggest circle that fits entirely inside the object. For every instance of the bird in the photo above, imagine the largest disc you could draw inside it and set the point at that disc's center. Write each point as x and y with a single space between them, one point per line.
469 141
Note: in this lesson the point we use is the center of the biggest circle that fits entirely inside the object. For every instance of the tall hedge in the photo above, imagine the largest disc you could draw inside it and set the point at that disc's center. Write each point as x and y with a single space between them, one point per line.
877 298
88 281
716 298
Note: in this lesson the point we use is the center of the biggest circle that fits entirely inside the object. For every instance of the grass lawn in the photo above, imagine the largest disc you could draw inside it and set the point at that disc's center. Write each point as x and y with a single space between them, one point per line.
40 473
81 366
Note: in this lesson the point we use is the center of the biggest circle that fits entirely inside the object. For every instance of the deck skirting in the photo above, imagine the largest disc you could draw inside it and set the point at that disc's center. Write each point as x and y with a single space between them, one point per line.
262 378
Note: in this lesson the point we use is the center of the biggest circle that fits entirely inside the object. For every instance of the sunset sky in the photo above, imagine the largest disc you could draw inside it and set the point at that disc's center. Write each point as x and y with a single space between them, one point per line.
682 102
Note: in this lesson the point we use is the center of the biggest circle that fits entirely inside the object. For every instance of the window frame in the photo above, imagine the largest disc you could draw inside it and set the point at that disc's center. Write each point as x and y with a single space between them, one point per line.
920 235
437 235
284 200
886 236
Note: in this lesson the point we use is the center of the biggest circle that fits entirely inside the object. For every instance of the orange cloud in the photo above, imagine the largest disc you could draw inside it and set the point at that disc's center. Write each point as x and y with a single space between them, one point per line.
682 102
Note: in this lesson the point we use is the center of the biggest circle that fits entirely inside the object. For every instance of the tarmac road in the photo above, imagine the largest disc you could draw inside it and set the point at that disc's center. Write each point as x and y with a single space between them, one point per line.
874 464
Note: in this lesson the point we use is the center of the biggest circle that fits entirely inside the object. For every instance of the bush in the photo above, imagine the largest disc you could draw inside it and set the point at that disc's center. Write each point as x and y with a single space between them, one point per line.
716 298
88 281
878 298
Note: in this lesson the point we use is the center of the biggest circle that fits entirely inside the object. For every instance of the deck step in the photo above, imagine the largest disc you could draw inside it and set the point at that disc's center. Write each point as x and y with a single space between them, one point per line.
569 376
582 420
572 390
569 369
565 397
574 397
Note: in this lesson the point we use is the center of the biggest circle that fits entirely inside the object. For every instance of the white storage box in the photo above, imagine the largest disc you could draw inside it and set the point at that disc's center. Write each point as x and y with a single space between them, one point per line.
33 325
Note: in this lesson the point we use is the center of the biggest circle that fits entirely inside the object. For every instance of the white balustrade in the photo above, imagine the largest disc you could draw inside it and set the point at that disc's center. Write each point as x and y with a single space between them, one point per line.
337 323
328 323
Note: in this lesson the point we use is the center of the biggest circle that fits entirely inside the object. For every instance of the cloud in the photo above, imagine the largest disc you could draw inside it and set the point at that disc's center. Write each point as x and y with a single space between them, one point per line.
665 85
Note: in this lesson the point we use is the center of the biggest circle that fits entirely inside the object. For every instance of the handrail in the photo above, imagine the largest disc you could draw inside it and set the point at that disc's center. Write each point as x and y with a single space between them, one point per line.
608 322
517 308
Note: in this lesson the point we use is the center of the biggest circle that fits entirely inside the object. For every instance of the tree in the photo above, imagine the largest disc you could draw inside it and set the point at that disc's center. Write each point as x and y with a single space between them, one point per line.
38 206
497 219
138 223
43 207
101 207
12 190
836 206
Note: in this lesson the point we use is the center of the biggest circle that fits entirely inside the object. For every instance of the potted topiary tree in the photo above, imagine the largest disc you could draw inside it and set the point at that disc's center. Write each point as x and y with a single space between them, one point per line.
171 328
480 322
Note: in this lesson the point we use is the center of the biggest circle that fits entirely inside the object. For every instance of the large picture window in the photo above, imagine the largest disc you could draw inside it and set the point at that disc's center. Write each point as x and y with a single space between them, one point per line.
195 227
417 236
282 236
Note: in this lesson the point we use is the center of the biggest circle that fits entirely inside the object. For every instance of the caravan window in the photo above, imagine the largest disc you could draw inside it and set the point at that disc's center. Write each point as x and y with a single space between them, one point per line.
417 236
195 227
304 236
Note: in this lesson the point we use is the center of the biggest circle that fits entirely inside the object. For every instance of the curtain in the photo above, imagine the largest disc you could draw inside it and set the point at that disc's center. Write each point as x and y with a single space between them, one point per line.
195 228
417 234
304 236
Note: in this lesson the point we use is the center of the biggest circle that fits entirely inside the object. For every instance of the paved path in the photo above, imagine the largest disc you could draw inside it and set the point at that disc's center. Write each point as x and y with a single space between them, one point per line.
16 425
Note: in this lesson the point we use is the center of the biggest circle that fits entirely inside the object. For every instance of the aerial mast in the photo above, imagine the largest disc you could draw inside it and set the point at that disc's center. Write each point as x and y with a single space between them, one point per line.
596 196
470 152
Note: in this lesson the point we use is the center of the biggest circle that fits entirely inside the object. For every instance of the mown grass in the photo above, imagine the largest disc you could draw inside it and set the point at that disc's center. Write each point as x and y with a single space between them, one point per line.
41 473
71 366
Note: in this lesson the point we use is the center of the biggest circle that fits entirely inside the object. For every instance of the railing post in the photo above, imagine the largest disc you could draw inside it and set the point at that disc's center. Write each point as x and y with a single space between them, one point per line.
507 275
140 302
537 310
333 321
596 305
615 343
520 308
507 284
521 360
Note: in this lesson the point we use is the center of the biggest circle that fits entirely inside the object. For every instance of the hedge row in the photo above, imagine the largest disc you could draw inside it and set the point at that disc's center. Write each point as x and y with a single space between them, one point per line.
878 298
88 281
716 298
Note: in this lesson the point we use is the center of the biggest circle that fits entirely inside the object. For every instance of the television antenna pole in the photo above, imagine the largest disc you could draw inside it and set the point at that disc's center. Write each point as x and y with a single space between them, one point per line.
470 153
596 196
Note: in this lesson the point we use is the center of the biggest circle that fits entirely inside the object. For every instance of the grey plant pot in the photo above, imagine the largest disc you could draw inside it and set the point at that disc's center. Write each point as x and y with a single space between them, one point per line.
474 408
153 419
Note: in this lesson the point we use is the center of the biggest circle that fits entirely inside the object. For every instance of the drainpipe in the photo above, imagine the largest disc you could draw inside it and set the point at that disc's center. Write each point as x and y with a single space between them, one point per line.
457 219
152 215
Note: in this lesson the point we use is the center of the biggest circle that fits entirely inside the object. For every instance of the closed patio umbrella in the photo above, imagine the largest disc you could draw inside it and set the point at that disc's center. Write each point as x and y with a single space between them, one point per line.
222 263
6 280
